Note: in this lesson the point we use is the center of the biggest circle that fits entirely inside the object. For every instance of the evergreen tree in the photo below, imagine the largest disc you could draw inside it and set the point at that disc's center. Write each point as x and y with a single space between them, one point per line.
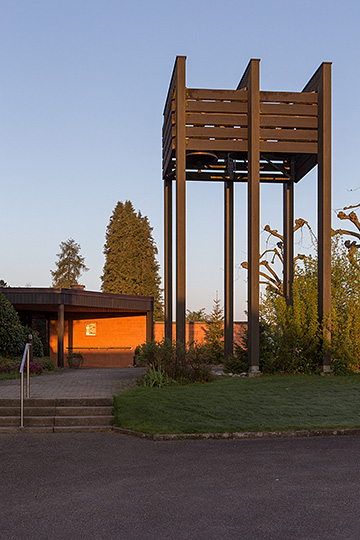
215 333
130 256
196 316
70 265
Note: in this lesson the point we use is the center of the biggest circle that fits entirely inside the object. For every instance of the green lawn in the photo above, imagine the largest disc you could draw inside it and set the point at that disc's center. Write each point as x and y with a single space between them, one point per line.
230 404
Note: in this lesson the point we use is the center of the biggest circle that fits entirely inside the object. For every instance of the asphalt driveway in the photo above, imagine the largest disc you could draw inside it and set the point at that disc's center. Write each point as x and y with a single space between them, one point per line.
109 486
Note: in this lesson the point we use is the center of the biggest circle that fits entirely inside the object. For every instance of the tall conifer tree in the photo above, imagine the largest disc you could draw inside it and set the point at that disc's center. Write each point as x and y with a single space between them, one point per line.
69 266
130 256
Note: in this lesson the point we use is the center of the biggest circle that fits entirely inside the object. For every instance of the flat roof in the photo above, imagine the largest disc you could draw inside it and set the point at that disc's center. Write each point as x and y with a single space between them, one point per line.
75 299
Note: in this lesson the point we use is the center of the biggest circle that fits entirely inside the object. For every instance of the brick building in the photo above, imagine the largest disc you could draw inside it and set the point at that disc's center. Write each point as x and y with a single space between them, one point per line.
104 327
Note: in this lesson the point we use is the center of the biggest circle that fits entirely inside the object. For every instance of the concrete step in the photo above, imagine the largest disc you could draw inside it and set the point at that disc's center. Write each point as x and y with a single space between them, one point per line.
6 421
58 402
9 411
83 420
9 402
38 421
12 429
39 411
84 411
55 429
82 429
84 402
43 415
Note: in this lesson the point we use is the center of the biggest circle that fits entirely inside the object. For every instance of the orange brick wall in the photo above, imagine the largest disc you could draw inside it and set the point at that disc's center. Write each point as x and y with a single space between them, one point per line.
196 331
123 331
98 350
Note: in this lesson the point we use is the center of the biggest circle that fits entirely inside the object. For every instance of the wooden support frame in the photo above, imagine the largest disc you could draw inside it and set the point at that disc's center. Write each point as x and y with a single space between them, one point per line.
229 268
168 258
321 83
251 81
288 133
288 233
61 331
180 200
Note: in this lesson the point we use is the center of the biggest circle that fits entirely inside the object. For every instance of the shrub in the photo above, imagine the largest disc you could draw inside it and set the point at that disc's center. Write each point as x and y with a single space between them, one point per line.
236 363
156 377
34 368
14 336
179 363
11 331
46 363
37 345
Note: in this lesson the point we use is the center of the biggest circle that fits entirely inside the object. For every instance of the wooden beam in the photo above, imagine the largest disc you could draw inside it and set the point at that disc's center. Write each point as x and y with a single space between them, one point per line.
213 119
61 330
180 97
168 278
229 266
324 205
149 326
289 97
253 81
221 107
288 233
206 93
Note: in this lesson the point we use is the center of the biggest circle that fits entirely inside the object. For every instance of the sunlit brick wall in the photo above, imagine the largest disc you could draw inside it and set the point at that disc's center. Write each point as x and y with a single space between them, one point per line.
196 331
111 345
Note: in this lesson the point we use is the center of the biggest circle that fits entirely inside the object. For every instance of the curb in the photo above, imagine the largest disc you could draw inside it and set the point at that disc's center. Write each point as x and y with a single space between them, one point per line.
240 435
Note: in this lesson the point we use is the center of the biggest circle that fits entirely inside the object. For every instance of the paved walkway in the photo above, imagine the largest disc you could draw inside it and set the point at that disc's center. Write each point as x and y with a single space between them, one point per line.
73 383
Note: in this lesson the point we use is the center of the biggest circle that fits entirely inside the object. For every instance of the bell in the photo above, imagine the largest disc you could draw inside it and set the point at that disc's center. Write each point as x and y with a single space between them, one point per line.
200 160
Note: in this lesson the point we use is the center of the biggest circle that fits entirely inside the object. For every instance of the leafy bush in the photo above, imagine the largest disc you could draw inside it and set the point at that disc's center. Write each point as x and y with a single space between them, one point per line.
46 363
236 363
34 368
14 336
179 363
5 368
13 366
11 331
156 377
38 349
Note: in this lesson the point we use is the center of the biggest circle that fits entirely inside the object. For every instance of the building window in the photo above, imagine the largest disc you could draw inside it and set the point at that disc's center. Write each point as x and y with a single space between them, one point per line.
91 329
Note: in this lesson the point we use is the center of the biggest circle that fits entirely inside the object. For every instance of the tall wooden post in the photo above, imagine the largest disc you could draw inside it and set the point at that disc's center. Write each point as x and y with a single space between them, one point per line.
149 326
251 80
321 82
61 328
229 267
324 205
180 200
168 257
288 228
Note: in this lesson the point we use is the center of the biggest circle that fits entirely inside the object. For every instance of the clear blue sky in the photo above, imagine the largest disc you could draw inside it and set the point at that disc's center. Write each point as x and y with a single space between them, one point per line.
83 85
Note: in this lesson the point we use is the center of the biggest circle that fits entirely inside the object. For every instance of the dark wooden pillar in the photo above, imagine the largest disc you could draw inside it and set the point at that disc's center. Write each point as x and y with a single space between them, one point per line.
324 205
61 328
70 334
251 80
288 228
180 200
168 257
321 83
149 326
229 268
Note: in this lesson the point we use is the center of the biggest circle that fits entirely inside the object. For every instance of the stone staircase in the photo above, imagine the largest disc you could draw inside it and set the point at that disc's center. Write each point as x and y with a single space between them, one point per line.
57 415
